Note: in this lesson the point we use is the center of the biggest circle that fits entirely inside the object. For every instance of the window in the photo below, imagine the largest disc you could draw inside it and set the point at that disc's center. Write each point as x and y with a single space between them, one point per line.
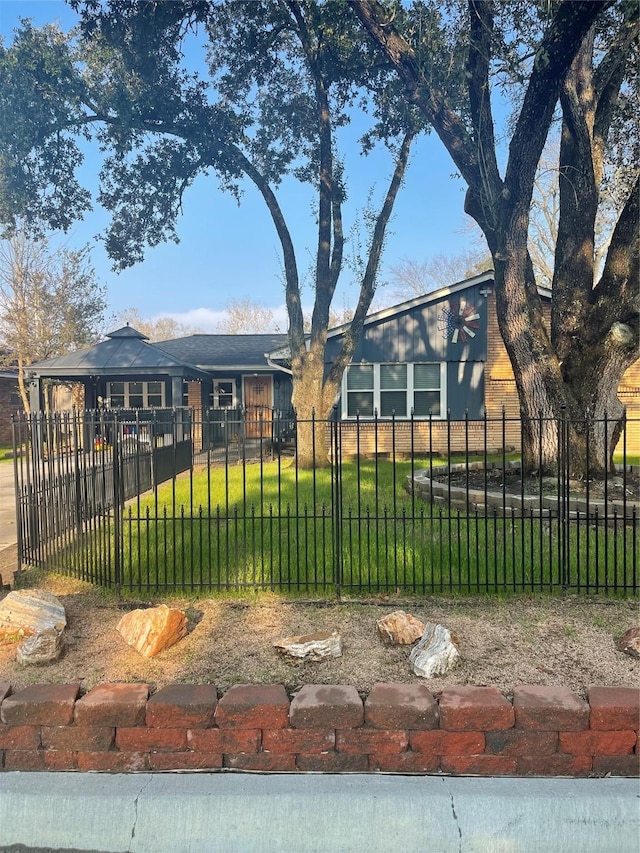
223 396
394 390
360 390
136 395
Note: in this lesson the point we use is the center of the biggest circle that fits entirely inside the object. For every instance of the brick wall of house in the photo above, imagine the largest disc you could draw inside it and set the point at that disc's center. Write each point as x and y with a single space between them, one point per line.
7 408
399 728
500 387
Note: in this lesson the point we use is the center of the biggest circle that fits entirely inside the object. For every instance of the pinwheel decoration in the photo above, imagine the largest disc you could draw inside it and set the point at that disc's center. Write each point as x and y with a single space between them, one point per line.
458 321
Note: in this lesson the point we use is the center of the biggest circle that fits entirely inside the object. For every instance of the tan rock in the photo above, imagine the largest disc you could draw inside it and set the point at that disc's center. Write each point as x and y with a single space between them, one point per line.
313 646
400 628
26 612
436 653
629 643
152 630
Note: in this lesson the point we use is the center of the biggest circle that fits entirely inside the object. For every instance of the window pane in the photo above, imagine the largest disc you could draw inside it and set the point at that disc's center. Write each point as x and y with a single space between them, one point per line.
393 376
393 402
426 376
136 395
154 388
116 388
360 377
360 403
116 401
426 403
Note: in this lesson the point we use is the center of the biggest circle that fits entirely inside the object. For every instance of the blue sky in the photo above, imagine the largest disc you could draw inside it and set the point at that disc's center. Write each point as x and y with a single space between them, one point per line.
229 251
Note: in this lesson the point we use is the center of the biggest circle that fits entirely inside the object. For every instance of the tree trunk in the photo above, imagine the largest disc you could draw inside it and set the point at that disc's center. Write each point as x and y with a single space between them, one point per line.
313 400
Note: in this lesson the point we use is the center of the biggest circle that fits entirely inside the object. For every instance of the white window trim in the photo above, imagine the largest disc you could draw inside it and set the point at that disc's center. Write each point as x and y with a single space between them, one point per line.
410 392
145 393
216 396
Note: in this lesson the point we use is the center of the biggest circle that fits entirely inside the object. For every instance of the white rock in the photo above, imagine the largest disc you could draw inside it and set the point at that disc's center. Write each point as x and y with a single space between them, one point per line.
435 653
313 646
41 648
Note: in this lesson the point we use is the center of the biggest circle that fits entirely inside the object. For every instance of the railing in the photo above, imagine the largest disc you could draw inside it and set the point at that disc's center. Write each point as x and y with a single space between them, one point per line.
166 501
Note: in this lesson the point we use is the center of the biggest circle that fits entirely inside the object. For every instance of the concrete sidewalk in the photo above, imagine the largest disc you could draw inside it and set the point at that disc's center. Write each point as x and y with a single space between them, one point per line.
246 813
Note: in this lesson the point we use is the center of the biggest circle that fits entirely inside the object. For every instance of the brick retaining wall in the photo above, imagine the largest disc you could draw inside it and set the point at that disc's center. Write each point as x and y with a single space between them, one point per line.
400 728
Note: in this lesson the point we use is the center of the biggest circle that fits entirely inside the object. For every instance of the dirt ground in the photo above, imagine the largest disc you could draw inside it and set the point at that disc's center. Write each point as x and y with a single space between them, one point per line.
503 642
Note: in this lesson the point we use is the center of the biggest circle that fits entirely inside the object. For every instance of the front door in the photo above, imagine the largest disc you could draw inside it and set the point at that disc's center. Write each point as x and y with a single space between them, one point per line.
258 400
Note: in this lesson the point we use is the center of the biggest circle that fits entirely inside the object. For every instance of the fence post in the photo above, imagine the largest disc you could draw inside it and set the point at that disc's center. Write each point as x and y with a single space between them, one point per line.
563 496
117 508
337 503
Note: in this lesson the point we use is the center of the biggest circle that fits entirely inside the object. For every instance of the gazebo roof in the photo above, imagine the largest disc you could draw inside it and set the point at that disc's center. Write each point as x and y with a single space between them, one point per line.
125 351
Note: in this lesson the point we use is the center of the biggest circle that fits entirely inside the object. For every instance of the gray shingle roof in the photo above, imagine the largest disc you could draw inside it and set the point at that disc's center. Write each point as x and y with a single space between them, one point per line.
211 351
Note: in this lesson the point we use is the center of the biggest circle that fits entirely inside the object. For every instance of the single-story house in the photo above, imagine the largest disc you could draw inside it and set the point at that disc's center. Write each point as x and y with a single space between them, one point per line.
436 357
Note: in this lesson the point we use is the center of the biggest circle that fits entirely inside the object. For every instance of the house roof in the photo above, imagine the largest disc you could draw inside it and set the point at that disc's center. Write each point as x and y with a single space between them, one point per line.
231 352
124 351
408 305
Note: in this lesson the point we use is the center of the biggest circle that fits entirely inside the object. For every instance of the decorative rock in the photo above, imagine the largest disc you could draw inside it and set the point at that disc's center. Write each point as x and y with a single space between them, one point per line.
629 643
400 628
153 630
436 652
41 648
26 612
313 646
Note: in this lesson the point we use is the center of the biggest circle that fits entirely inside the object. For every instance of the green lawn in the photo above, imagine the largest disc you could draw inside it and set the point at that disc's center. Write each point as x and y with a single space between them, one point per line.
271 526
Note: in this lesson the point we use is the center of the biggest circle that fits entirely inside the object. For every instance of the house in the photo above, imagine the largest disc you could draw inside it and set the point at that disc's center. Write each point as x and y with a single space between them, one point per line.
435 365
10 402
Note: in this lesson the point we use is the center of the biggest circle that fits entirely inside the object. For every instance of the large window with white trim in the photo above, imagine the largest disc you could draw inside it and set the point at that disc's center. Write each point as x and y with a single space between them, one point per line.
223 396
394 390
136 395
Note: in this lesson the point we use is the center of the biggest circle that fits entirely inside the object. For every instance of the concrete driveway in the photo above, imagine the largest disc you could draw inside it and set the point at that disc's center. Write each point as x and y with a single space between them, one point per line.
8 531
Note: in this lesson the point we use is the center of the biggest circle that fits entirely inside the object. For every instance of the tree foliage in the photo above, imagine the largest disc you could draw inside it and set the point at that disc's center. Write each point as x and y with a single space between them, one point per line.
50 302
266 100
581 58
157 328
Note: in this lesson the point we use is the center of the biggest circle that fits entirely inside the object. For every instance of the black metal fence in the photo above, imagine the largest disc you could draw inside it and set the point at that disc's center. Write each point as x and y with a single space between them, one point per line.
166 501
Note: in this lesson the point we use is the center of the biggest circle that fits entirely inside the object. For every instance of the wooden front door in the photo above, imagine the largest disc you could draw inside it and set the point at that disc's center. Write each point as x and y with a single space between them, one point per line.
258 400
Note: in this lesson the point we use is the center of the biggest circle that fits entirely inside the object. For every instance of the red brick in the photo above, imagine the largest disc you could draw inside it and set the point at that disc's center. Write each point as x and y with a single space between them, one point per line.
472 709
140 739
617 765
85 738
298 740
113 762
188 706
553 765
478 765
19 737
113 705
27 760
254 706
549 709
60 759
359 741
40 705
223 740
614 708
597 743
263 761
332 762
401 706
325 706
404 762
447 743
185 761
521 742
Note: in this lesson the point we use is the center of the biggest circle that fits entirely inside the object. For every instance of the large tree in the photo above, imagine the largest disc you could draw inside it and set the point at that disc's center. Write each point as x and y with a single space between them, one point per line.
277 81
581 56
51 302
